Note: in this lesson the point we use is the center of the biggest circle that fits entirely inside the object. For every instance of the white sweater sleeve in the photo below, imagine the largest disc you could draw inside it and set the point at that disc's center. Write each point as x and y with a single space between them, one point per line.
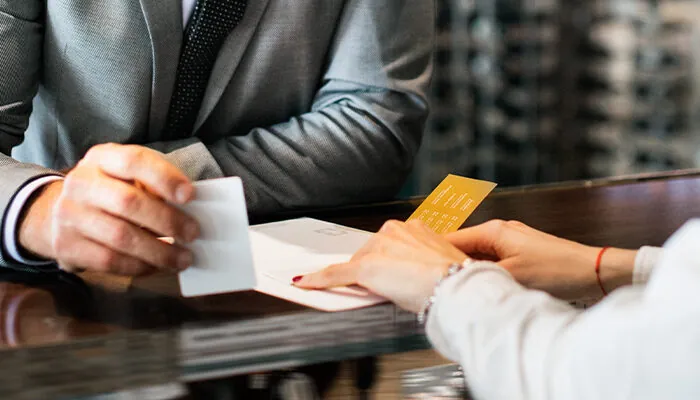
514 343
647 258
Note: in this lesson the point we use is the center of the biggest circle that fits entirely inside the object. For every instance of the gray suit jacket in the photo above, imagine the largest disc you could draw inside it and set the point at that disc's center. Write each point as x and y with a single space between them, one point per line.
311 102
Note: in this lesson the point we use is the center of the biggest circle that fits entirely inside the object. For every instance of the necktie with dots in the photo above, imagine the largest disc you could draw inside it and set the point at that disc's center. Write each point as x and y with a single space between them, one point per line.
211 23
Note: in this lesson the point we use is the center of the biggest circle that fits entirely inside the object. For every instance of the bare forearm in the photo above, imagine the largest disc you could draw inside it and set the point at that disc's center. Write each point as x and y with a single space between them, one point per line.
617 268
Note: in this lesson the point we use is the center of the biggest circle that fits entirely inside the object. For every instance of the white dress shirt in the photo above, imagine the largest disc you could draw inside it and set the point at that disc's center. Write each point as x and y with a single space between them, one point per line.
641 342
9 232
187 9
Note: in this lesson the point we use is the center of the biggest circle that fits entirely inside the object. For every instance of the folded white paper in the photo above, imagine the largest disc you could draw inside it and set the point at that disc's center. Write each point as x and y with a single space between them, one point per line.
283 250
231 256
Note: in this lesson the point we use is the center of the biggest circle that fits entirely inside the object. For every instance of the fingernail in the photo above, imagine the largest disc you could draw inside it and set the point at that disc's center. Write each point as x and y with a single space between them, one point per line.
184 261
296 279
183 193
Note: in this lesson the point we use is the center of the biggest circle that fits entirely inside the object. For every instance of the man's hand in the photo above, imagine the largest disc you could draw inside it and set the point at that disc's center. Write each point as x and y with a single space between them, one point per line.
97 219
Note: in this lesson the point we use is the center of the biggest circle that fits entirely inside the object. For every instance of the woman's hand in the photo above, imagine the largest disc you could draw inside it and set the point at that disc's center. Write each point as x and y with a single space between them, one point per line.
402 262
541 261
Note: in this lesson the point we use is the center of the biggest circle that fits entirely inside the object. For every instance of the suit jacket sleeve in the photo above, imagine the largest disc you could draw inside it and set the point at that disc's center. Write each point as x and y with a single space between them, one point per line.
21 38
359 140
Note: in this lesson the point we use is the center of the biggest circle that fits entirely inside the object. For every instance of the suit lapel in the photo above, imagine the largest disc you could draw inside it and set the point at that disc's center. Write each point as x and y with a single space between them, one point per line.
229 57
164 20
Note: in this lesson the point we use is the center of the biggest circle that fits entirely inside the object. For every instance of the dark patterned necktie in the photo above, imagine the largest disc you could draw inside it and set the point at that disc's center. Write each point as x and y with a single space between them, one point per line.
211 23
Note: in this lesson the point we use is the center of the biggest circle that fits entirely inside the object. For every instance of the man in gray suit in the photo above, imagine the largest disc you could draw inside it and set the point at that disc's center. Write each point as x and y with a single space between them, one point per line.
310 102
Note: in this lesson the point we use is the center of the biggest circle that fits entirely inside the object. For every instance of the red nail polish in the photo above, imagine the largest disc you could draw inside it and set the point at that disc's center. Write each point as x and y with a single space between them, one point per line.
296 279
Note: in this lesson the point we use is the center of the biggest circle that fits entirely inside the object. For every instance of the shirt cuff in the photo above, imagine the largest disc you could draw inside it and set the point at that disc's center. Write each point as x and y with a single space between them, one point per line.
14 211
481 283
647 257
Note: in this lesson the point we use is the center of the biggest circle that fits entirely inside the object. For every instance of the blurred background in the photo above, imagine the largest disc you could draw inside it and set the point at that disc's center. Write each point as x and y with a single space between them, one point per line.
537 91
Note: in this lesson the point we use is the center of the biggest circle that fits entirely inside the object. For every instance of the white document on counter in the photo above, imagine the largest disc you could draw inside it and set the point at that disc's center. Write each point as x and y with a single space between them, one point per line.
232 256
283 250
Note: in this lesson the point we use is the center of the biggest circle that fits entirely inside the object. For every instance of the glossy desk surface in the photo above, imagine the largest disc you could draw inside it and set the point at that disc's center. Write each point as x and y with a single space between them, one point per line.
62 335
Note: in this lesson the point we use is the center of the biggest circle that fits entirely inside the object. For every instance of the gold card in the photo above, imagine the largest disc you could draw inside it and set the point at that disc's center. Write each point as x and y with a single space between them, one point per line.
452 202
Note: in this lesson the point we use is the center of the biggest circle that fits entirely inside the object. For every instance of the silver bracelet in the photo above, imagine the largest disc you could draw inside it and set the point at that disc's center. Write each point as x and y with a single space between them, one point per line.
453 269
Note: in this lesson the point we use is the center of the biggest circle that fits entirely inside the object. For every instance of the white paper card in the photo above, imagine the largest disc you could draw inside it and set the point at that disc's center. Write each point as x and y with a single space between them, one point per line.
223 260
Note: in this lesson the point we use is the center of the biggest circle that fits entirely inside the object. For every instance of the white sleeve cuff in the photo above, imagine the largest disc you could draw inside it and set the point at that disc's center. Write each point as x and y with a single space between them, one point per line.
481 283
647 257
14 211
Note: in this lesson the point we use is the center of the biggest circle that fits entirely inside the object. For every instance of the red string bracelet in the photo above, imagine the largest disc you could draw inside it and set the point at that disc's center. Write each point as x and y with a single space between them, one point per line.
597 269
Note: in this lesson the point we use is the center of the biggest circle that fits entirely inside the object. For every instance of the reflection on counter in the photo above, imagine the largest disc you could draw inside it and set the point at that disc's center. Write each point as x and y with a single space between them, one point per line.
41 310
38 312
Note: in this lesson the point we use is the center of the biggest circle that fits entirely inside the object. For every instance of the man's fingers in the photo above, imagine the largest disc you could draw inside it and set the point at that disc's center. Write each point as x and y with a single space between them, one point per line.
132 204
128 239
334 276
79 253
140 164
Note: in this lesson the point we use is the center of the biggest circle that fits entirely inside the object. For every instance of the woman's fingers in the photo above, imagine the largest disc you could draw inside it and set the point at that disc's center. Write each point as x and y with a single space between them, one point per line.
480 239
337 275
